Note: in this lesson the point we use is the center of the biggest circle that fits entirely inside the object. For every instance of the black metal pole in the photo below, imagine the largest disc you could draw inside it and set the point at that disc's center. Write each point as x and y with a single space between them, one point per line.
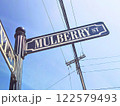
73 46
19 49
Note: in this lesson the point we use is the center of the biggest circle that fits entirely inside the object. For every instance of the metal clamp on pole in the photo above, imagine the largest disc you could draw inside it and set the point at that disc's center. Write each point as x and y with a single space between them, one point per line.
19 49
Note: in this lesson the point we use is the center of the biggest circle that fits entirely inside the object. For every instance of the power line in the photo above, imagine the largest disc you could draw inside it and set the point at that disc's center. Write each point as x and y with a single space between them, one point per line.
102 70
61 79
60 14
107 88
73 46
75 23
54 31
70 80
61 47
85 72
81 47
73 12
101 63
68 69
48 16
52 24
101 58
63 54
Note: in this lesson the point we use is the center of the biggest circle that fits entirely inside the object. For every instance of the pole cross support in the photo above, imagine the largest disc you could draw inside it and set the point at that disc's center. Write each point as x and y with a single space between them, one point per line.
74 60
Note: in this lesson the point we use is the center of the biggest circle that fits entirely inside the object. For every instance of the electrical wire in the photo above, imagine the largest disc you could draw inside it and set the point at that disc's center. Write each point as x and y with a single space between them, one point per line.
61 14
101 70
84 72
70 80
61 79
107 88
67 24
48 15
63 54
52 23
54 31
81 49
76 23
73 12
100 58
101 63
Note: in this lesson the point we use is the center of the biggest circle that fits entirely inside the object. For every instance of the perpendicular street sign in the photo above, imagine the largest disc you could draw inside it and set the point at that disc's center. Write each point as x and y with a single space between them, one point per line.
6 49
66 37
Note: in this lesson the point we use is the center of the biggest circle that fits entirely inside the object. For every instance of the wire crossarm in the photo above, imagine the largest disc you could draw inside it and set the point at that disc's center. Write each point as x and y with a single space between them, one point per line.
74 60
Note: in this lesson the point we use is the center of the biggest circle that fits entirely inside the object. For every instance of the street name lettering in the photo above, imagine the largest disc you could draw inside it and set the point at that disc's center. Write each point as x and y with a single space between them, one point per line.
60 38
66 37
6 49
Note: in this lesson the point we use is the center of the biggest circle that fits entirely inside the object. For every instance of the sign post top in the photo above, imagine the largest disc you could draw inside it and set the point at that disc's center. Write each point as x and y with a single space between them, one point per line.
20 31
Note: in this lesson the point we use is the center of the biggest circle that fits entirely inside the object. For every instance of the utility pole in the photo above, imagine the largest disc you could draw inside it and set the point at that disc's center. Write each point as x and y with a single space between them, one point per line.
19 50
73 46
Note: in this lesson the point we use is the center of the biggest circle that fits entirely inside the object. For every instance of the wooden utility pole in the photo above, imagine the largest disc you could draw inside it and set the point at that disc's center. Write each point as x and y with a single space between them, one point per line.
19 49
73 46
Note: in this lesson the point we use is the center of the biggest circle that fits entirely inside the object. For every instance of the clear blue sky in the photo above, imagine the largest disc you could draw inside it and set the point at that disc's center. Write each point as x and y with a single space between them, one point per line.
45 68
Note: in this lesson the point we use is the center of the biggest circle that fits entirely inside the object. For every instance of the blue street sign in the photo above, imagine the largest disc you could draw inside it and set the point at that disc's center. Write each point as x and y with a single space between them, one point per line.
6 49
66 37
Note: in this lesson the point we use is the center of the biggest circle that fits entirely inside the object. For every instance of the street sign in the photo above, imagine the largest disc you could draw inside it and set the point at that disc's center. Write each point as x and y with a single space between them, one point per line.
66 37
6 49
